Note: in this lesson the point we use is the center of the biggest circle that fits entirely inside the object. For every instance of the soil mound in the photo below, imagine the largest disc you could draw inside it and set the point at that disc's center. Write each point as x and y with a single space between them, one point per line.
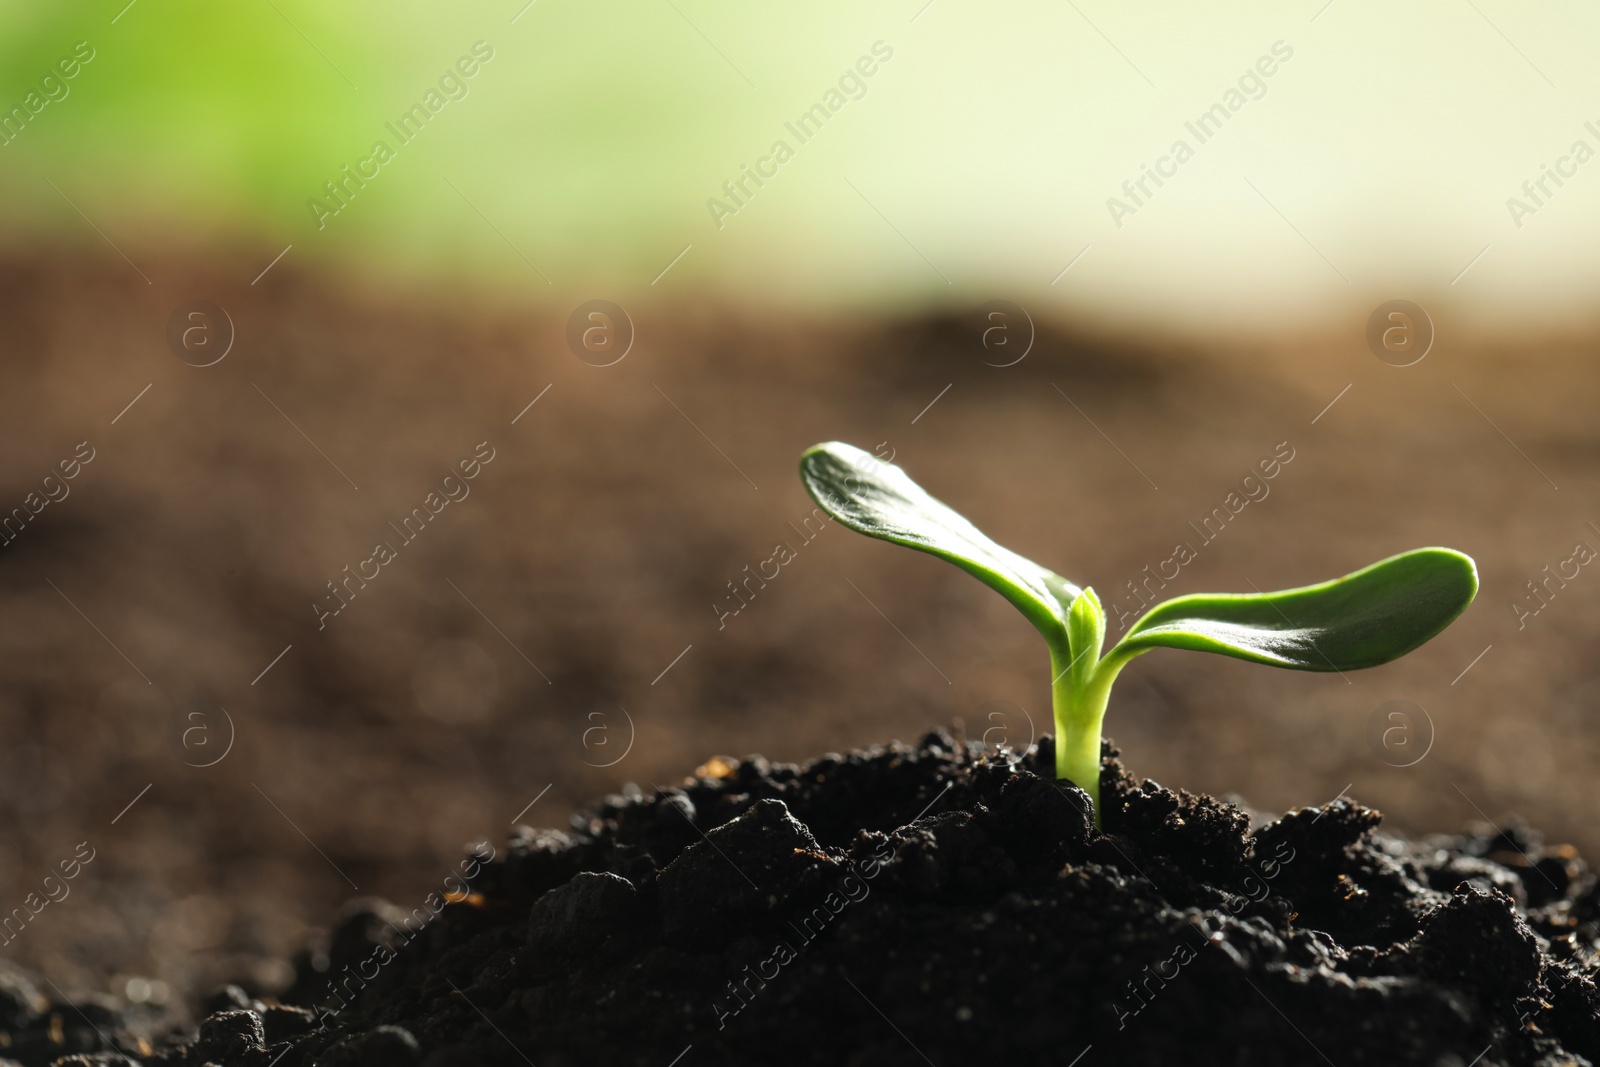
934 905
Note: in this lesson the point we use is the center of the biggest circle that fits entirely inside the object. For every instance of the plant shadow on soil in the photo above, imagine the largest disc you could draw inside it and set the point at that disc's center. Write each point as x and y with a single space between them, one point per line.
931 904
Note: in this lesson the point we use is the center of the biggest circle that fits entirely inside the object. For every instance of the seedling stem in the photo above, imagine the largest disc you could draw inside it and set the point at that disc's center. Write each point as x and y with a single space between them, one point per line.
1363 619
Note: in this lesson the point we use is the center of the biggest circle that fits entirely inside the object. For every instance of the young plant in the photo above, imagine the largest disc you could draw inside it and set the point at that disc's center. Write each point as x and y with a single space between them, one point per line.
1364 619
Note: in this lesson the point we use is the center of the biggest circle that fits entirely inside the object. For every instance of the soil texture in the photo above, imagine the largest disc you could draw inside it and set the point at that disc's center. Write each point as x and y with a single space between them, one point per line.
923 905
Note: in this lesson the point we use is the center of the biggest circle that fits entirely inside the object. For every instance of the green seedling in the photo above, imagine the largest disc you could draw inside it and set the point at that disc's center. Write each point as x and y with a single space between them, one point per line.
1367 618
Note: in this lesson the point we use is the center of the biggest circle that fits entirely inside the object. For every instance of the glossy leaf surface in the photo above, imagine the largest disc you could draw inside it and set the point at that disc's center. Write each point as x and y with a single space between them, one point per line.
1364 619
880 500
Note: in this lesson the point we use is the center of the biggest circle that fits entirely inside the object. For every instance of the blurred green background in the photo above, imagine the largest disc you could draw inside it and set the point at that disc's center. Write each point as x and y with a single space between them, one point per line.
981 157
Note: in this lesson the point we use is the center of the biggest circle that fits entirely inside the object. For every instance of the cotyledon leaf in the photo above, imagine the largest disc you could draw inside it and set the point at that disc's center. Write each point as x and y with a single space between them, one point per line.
1364 619
880 500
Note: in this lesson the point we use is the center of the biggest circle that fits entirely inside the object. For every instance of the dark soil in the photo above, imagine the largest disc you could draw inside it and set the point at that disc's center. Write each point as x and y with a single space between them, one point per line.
929 905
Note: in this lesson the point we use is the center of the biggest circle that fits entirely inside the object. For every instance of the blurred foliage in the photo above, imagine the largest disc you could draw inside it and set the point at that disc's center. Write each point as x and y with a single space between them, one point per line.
980 161
594 135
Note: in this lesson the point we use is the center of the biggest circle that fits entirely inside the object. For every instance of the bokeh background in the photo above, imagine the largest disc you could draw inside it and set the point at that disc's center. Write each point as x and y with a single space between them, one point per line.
555 635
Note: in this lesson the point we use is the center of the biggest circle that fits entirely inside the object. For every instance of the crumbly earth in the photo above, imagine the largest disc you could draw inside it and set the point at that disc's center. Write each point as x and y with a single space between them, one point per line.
929 905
